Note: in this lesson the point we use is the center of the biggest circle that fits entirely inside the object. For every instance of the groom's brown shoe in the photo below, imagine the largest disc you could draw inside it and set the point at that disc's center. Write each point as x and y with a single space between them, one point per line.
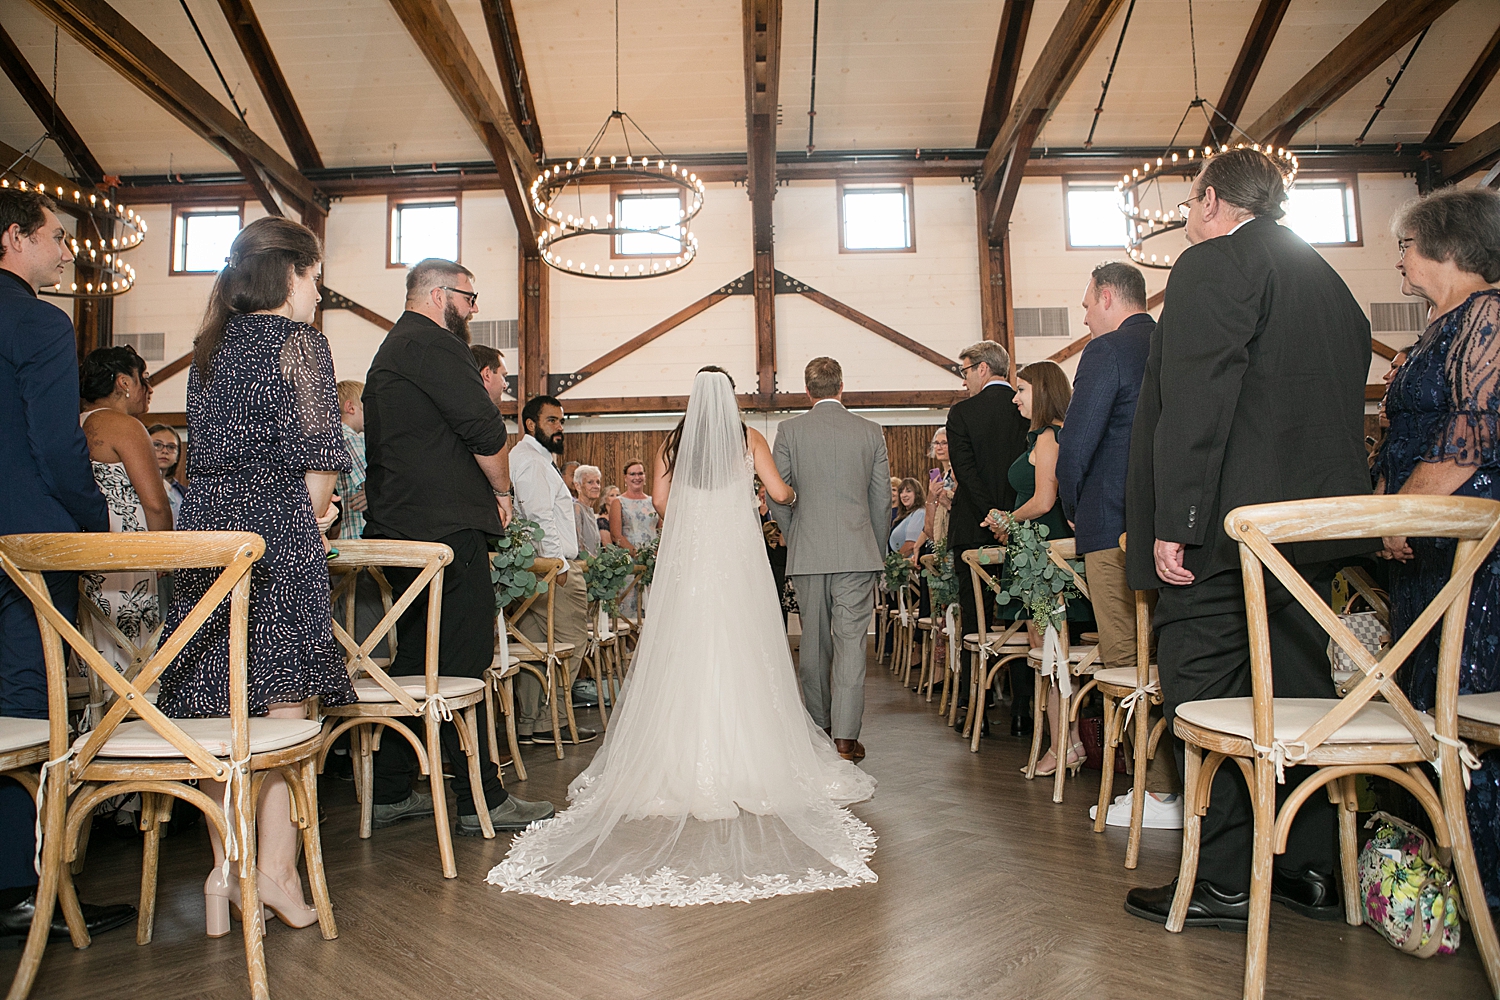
850 750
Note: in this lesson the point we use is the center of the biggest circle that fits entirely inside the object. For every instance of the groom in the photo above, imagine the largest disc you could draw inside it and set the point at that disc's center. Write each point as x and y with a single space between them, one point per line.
836 536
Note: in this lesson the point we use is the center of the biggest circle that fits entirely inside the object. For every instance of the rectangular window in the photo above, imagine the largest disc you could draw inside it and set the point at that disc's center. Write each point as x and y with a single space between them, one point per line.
657 212
422 229
201 238
1324 212
1092 215
1049 321
876 218
150 346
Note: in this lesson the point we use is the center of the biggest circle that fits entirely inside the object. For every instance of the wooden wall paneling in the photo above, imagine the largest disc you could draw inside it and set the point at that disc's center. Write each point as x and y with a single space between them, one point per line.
906 446
610 450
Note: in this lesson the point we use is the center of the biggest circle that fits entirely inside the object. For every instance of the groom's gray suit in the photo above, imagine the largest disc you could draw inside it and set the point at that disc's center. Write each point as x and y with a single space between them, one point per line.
836 540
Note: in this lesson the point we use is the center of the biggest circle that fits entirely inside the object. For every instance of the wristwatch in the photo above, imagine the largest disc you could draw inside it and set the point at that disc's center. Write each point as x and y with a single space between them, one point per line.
503 493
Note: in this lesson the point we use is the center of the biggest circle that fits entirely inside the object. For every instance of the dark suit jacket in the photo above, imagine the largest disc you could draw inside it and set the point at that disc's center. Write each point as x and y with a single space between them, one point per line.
1094 450
1254 392
49 484
985 435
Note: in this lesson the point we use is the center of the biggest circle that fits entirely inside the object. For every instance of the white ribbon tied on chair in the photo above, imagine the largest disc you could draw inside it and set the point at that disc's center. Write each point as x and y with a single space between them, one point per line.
41 801
901 608
1054 663
1466 758
950 630
235 805
1282 754
1129 702
437 708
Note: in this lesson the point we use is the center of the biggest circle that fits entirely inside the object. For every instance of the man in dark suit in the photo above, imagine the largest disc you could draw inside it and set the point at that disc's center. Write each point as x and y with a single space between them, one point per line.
986 433
1254 392
49 486
1093 453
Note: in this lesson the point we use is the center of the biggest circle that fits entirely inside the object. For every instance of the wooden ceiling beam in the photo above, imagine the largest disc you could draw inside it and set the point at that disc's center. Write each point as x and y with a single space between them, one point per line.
1476 154
439 36
1078 31
1376 39
256 49
505 40
1468 93
103 31
761 20
1005 68
34 92
1258 39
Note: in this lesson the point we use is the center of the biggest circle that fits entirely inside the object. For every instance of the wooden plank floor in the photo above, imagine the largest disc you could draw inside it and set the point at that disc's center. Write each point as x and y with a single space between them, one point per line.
987 889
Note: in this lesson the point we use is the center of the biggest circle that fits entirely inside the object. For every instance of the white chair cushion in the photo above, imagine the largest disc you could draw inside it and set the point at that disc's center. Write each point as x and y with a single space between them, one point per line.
138 739
559 649
1483 708
416 685
1016 639
1120 676
18 734
1376 722
1075 655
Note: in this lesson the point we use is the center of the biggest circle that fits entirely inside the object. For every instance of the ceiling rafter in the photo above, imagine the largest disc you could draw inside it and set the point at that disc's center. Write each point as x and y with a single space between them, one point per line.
1476 154
256 49
439 36
1376 39
1078 31
103 31
505 40
1258 39
39 99
1005 68
1468 93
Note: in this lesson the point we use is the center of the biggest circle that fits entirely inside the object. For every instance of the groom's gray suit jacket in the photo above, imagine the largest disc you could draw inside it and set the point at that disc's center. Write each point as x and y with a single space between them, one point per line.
837 463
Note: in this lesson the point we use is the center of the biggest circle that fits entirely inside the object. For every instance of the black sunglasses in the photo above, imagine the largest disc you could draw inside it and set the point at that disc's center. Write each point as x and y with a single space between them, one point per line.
473 297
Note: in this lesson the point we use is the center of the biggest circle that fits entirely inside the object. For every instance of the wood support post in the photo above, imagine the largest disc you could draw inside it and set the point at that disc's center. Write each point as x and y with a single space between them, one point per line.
534 335
93 319
762 27
996 307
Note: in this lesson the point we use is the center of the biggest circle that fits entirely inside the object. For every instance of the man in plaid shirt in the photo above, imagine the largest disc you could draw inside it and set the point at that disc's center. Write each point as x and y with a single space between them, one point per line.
351 485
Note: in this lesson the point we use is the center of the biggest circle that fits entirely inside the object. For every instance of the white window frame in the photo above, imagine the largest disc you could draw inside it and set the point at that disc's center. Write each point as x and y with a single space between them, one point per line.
904 185
179 234
396 203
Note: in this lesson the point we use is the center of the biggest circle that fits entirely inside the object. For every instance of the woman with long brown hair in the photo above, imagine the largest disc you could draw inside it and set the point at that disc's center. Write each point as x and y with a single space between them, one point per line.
266 447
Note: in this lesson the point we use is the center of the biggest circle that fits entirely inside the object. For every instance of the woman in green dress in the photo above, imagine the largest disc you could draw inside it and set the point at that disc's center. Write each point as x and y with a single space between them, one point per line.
1042 395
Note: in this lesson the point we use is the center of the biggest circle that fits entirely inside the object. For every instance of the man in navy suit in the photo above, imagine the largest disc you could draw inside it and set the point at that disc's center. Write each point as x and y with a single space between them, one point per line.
1092 459
49 486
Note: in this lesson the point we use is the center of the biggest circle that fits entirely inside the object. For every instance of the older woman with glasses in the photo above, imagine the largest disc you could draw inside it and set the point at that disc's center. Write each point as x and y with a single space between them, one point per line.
1443 405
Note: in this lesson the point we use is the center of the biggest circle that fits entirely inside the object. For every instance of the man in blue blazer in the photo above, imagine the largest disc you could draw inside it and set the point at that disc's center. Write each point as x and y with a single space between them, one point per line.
1092 459
49 486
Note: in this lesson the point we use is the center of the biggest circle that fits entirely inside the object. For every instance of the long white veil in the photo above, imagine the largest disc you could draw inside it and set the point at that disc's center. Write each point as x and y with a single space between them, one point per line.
712 784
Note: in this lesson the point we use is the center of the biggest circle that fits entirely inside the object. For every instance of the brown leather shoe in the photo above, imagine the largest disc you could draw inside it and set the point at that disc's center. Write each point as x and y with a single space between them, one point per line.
852 750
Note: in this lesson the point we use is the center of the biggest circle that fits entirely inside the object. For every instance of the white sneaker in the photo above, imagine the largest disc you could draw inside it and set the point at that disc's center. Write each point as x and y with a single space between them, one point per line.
1159 814
1094 810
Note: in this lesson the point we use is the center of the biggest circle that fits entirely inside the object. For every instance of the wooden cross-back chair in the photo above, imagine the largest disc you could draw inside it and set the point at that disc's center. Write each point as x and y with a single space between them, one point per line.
92 620
625 627
1128 696
1005 645
547 662
1343 738
903 624
385 700
602 658
1363 587
939 623
154 755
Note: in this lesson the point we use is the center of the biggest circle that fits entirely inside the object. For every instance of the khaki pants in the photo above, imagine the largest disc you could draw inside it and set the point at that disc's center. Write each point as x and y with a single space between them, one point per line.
1114 611
569 624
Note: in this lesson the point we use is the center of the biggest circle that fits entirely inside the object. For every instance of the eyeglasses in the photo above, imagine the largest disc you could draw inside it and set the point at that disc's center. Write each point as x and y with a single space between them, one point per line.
1182 206
473 297
1404 243
164 445
964 371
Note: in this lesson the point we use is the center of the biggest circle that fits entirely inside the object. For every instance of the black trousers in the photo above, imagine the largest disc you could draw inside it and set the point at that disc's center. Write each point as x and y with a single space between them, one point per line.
1203 651
465 648
1022 676
23 694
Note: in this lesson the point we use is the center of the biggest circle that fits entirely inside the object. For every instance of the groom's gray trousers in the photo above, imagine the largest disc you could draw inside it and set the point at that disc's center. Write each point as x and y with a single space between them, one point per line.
835 610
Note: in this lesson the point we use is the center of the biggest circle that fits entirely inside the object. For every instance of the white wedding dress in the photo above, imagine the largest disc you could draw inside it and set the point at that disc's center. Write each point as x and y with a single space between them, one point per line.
713 784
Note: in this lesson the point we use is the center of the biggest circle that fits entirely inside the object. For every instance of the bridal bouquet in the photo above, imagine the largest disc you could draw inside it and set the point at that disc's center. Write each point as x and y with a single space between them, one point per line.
510 563
607 574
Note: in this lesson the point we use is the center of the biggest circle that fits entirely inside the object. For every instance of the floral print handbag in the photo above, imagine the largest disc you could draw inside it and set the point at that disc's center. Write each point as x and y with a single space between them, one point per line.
1409 898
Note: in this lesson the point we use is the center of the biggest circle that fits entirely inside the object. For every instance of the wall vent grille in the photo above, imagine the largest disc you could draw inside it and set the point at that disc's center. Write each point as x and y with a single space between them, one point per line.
150 346
1050 321
1398 317
501 334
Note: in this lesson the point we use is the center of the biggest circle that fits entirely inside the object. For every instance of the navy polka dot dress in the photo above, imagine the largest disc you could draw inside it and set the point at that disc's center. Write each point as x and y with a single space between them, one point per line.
267 416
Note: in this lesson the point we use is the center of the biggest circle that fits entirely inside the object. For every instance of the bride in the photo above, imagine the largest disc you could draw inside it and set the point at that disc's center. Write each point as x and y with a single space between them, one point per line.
713 784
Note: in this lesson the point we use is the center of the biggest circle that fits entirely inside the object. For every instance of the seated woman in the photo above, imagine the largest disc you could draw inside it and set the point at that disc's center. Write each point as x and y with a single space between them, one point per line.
267 446
116 390
906 536
1042 396
168 448
590 483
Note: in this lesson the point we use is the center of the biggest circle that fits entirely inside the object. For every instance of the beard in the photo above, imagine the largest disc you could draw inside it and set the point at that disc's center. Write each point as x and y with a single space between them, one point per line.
553 444
456 324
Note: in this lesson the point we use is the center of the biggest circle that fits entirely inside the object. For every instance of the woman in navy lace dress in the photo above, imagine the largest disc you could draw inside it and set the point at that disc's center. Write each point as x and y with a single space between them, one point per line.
1444 439
264 448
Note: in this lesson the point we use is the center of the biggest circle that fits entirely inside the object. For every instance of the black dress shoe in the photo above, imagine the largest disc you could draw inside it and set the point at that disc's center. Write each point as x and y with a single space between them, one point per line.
1210 907
15 923
1020 725
1312 894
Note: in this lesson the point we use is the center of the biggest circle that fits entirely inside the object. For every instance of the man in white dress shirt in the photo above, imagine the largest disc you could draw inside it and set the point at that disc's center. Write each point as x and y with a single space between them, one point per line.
541 496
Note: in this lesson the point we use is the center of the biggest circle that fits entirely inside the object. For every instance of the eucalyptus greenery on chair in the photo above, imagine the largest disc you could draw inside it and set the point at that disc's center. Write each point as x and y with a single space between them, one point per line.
645 556
510 563
898 571
607 574
1032 578
942 580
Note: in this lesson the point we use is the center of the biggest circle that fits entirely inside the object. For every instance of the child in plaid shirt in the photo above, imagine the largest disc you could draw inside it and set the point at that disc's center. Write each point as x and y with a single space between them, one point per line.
351 485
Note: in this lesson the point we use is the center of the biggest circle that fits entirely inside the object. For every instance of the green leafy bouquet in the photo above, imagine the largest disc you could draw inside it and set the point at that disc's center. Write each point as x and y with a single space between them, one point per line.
510 563
1032 578
898 571
942 579
607 574
645 556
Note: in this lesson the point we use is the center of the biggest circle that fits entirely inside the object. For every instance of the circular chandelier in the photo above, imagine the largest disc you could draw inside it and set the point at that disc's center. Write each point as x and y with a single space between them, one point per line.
1143 224
115 276
645 172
